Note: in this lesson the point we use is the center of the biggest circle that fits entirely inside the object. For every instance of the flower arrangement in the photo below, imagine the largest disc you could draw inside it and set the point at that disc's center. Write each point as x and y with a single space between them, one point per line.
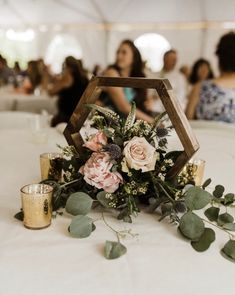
124 167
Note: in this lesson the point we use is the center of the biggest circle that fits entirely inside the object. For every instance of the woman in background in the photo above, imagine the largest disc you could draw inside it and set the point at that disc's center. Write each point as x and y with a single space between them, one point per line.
69 87
201 71
128 64
215 99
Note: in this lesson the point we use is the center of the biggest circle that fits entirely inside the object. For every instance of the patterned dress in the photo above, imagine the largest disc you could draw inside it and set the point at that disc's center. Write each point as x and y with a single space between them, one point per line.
216 103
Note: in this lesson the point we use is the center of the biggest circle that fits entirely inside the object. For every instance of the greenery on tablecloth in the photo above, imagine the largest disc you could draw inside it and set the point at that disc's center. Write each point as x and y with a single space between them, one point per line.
124 168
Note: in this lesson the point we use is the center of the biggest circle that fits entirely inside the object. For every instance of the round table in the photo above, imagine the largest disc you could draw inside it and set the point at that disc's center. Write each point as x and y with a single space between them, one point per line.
158 260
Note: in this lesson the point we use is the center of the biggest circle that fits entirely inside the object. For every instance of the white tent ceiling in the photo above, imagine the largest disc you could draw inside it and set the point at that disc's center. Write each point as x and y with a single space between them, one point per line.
34 12
191 26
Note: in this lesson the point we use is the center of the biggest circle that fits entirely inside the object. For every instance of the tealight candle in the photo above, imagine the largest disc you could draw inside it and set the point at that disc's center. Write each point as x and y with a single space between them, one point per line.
51 166
193 172
37 205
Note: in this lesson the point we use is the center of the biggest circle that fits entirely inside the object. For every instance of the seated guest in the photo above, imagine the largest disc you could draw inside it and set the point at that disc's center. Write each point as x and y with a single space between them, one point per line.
201 70
128 64
33 79
215 99
185 70
69 88
6 73
176 78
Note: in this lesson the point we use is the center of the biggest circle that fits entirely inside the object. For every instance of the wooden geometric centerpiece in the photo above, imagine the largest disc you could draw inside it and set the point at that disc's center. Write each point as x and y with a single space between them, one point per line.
169 101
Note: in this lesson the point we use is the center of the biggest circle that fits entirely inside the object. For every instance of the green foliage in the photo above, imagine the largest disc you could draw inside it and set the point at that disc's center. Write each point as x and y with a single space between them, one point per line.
224 218
218 192
79 203
158 119
191 226
81 226
212 213
204 241
206 183
113 250
108 114
197 198
229 199
20 215
229 226
104 201
229 250
130 118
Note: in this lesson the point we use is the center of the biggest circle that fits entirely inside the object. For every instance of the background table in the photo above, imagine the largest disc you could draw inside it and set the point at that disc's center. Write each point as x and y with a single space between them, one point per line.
27 103
158 261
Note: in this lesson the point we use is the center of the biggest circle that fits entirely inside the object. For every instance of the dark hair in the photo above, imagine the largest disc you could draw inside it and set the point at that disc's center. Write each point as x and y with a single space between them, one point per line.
137 70
34 74
76 69
193 78
226 52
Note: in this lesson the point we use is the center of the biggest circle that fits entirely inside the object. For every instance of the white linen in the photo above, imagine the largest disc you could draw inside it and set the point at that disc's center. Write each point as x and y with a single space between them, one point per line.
158 261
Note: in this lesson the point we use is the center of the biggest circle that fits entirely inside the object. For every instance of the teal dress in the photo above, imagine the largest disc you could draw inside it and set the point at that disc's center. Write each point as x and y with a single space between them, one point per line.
107 101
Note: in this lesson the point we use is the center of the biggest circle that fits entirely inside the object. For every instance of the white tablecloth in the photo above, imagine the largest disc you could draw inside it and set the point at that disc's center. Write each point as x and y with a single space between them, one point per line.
158 261
27 103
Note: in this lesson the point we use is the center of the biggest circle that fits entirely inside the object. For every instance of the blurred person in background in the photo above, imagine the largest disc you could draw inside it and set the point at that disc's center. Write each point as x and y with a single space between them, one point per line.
46 76
185 70
201 70
97 70
128 64
6 74
177 81
32 82
69 87
17 69
215 99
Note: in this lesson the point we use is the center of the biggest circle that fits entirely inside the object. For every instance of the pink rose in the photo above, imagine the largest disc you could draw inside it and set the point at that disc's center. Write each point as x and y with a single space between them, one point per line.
96 142
97 172
111 182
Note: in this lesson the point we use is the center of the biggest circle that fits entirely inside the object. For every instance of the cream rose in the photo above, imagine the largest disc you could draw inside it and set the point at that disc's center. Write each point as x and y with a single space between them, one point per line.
139 155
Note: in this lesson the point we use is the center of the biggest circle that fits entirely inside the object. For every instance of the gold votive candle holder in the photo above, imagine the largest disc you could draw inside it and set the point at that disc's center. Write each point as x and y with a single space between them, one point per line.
37 205
193 172
51 166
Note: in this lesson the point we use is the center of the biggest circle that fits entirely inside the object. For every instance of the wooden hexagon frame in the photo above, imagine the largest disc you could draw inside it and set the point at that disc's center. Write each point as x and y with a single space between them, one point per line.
165 92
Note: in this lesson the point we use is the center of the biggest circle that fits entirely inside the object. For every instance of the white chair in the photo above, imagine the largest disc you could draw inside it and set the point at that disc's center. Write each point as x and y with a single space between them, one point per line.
17 120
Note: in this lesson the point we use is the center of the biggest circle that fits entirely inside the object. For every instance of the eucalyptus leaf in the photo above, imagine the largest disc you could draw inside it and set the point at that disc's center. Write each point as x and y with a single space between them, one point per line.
229 199
113 250
204 241
224 218
218 192
127 219
19 216
206 183
229 226
166 208
212 213
229 249
180 207
191 226
81 226
196 198
101 197
79 203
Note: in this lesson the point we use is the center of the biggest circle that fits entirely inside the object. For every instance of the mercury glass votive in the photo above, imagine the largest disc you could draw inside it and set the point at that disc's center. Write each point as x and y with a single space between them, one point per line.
51 166
37 205
193 172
